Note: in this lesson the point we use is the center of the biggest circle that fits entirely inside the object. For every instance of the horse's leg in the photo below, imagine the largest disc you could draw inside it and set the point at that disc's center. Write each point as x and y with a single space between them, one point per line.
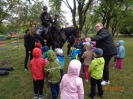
42 31
53 47
48 45
68 49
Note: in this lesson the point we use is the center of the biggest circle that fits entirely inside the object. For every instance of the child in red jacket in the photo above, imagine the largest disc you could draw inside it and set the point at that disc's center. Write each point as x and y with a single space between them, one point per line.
37 65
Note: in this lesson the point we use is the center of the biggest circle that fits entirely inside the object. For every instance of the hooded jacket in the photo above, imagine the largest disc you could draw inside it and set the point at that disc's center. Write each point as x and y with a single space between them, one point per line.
121 49
53 68
61 59
96 68
75 53
37 65
105 41
71 85
87 55
44 55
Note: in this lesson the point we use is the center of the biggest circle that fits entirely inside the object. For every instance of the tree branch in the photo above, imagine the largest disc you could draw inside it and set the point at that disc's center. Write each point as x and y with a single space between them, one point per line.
69 5
88 5
65 3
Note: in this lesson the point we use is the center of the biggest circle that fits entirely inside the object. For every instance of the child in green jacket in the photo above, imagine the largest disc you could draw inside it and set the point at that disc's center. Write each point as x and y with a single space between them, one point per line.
96 72
53 68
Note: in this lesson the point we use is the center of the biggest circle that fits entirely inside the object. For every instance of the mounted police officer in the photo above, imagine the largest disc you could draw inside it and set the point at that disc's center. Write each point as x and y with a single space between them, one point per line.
55 20
46 20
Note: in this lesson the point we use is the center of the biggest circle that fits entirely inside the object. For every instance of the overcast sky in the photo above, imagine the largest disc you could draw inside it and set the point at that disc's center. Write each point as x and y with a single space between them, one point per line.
67 10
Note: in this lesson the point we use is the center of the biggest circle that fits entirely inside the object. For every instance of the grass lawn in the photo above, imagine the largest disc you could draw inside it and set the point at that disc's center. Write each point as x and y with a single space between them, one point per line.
18 84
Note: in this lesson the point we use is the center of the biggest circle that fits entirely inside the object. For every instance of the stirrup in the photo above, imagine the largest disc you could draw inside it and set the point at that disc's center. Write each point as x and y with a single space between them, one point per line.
46 31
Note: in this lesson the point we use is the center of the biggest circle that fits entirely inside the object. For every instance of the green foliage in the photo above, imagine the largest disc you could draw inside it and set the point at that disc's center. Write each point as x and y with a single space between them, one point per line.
6 9
56 4
3 29
126 26
115 15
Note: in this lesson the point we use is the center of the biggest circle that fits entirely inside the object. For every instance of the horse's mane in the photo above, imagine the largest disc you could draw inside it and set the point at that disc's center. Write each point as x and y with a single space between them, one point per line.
70 31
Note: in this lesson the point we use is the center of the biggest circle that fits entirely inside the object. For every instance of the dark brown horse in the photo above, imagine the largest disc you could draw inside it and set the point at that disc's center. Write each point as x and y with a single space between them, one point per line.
57 37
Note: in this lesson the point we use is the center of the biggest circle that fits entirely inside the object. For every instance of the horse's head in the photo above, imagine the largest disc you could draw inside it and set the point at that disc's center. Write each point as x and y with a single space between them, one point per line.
60 39
71 31
76 32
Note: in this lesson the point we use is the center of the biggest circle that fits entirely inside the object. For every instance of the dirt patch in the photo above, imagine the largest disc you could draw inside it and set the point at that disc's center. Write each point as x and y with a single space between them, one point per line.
5 62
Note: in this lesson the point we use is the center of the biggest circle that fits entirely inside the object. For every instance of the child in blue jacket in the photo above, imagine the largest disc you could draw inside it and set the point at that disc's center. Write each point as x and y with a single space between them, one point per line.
61 58
120 54
75 52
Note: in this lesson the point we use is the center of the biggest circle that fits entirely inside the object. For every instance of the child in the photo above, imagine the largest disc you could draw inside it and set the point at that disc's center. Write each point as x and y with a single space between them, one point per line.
61 58
87 39
45 42
71 85
93 45
82 50
120 54
45 50
53 68
87 56
75 52
37 65
38 45
117 45
96 72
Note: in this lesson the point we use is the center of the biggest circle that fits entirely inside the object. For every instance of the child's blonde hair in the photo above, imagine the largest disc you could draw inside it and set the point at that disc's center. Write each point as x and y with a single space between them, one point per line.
87 47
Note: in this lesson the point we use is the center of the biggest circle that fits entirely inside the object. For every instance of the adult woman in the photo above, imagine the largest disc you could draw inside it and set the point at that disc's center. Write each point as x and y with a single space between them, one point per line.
29 42
105 41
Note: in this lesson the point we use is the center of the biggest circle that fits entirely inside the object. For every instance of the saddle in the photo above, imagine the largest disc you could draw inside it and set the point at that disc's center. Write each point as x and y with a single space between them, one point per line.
46 31
43 33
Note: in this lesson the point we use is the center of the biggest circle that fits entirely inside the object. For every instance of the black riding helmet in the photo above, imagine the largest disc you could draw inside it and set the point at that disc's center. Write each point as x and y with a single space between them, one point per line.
57 14
45 7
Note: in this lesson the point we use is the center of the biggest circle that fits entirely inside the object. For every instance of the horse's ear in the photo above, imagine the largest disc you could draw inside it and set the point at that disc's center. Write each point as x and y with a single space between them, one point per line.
62 29
77 27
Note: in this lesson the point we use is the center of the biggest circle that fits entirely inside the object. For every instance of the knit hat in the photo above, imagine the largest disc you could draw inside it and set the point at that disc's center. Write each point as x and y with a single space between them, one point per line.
38 44
45 48
98 51
87 39
94 43
87 43
59 51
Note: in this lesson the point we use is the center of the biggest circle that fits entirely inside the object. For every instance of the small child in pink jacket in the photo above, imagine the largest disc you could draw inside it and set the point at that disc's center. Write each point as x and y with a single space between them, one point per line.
71 85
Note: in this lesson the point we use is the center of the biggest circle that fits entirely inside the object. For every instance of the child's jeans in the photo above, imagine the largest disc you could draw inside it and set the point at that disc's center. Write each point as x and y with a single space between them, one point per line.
119 63
54 90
